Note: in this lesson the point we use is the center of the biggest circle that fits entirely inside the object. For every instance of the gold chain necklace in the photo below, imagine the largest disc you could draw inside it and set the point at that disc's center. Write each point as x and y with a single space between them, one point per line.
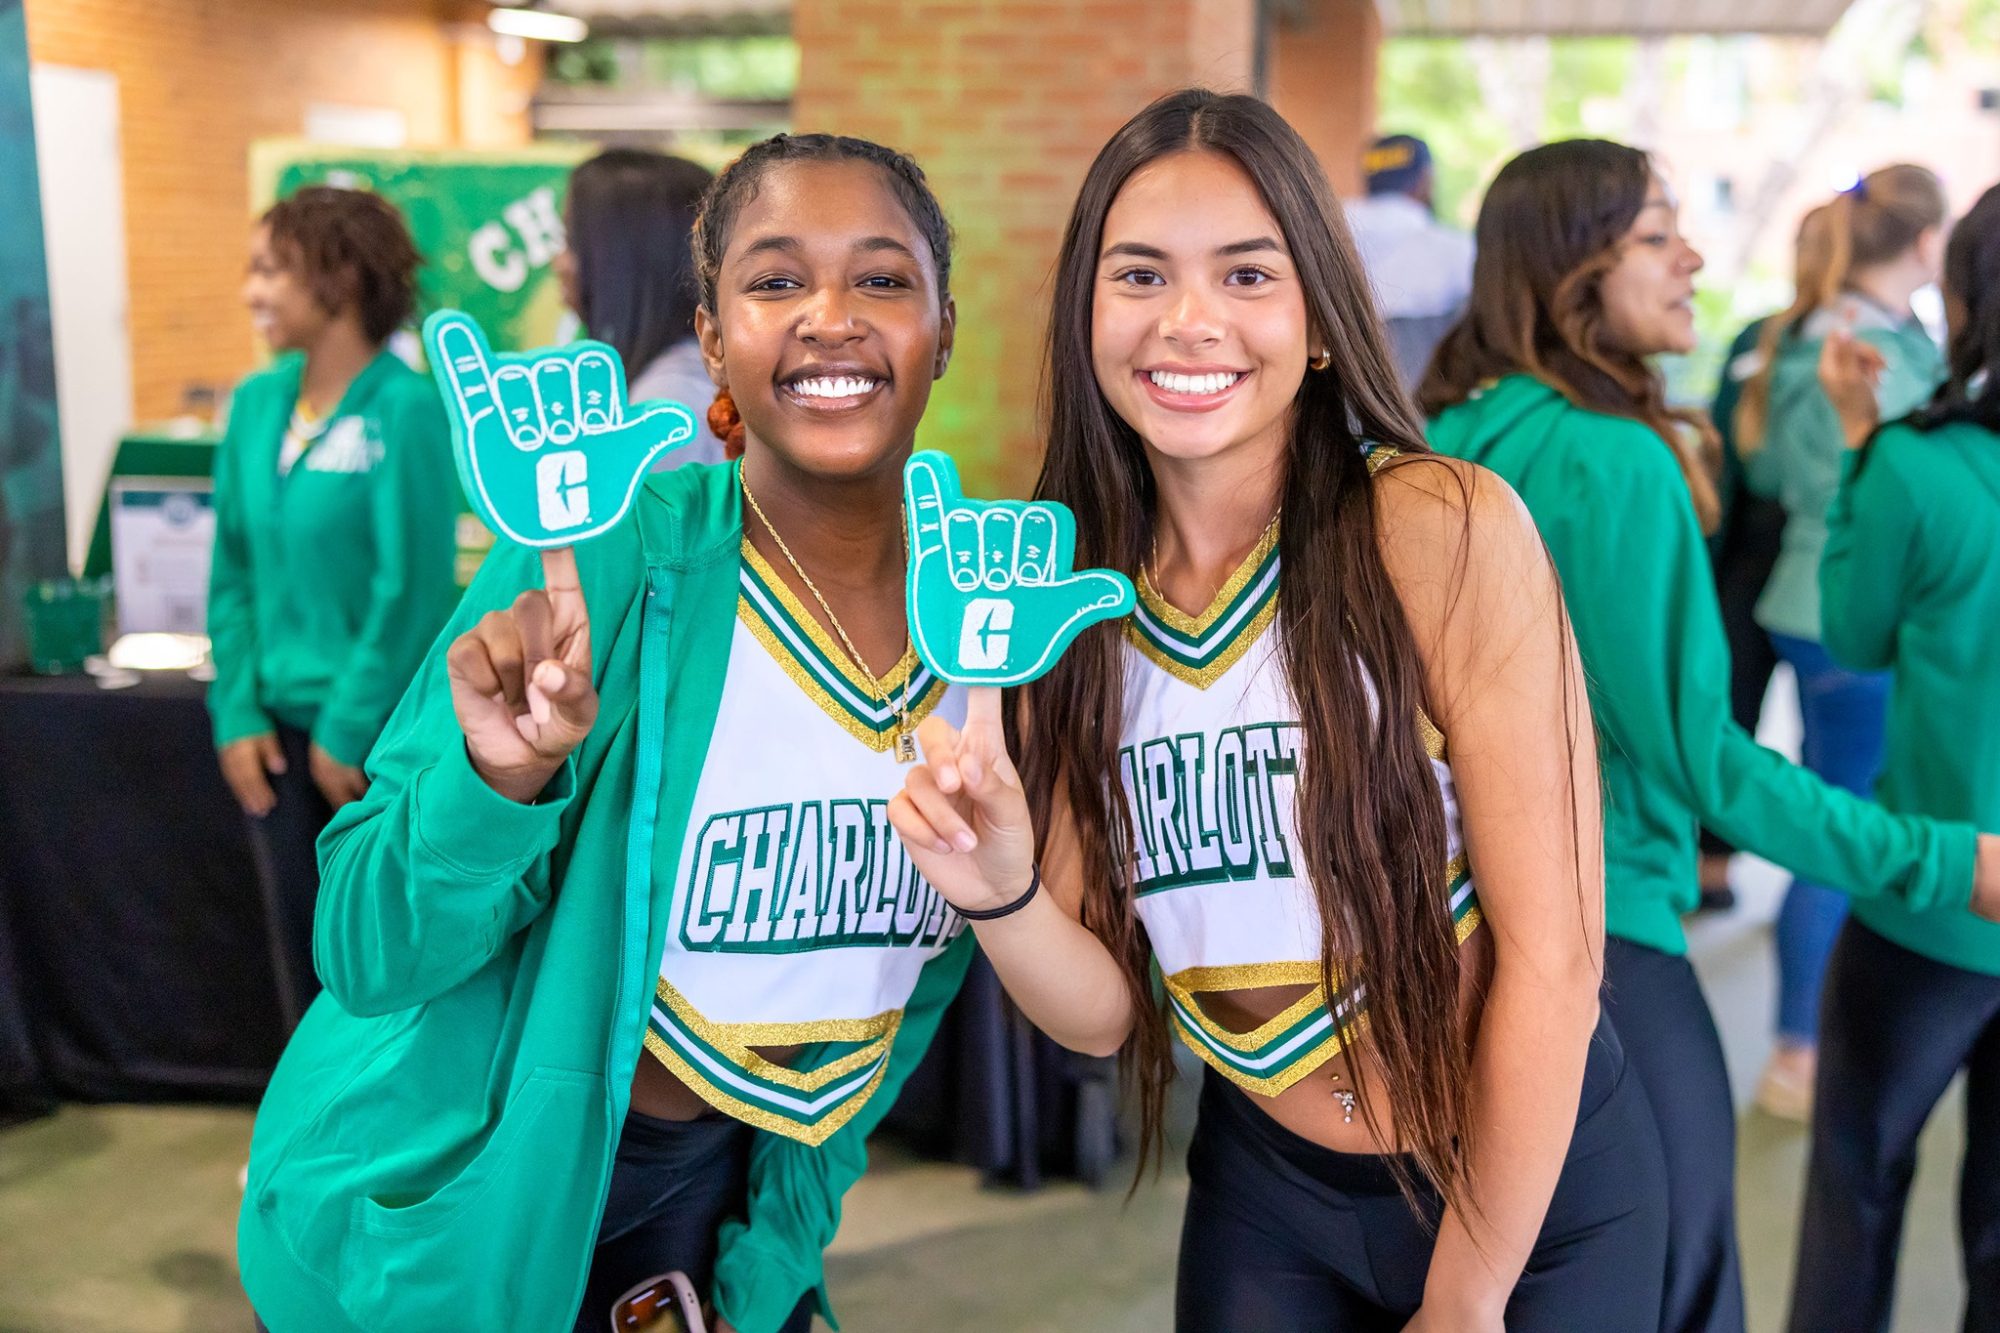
904 744
1153 583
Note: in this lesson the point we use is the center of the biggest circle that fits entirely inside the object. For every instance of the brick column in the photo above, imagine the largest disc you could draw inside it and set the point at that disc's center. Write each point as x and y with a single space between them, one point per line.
1004 104
1322 77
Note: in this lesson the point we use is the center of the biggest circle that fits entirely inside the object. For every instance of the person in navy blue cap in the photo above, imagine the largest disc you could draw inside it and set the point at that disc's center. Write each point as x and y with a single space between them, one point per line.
1421 269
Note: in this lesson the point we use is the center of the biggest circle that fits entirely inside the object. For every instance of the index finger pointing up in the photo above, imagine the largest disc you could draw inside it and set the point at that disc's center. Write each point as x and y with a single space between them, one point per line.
923 491
563 584
461 358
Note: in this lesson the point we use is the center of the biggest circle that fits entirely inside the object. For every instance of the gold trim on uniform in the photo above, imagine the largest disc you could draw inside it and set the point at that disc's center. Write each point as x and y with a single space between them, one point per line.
1190 982
880 740
749 1113
1180 621
1433 738
734 1040
1203 677
1380 455
835 655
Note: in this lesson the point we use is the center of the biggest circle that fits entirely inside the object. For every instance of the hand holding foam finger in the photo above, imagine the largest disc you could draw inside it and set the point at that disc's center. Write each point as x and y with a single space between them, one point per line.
993 598
962 813
548 451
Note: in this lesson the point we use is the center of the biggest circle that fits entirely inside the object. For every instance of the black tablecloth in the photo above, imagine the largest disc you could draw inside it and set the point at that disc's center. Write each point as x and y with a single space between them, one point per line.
134 960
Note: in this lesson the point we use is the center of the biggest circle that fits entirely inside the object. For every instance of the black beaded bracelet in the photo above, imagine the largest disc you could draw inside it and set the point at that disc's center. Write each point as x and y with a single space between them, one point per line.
995 913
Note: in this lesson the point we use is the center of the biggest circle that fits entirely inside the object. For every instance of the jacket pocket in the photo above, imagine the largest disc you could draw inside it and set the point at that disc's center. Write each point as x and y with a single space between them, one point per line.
500 1244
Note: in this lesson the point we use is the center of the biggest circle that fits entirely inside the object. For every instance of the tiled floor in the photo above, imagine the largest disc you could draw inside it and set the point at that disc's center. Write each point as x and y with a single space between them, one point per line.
121 1219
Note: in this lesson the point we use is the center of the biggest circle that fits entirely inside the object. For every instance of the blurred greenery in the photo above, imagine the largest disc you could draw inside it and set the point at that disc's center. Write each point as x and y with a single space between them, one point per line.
761 68
1431 87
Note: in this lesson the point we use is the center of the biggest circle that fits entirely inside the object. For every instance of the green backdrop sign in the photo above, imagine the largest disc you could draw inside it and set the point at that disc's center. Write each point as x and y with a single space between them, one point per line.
488 223
31 486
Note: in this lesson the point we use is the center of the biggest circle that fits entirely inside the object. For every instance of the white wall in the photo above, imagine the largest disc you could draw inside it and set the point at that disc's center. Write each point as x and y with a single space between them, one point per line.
83 221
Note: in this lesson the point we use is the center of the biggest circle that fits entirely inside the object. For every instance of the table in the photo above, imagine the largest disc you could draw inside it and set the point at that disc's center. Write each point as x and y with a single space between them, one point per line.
135 962
134 959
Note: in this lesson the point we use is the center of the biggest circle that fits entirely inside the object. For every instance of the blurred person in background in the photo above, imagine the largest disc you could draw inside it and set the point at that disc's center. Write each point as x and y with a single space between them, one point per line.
1909 581
1744 546
335 501
1421 270
1885 241
628 273
1551 382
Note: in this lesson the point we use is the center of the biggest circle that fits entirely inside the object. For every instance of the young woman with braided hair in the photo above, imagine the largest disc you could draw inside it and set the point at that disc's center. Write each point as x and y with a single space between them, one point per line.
623 960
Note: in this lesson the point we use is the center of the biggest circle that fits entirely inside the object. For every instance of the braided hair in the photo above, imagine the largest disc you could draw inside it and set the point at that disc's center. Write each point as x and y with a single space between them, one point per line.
1971 391
737 186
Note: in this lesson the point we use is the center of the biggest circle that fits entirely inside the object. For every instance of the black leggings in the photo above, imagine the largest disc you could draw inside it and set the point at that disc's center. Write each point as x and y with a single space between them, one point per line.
1657 1006
674 1184
285 844
1284 1236
1895 1028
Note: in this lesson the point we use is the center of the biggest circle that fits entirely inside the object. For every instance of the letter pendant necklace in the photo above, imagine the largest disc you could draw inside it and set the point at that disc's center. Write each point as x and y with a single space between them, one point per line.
903 743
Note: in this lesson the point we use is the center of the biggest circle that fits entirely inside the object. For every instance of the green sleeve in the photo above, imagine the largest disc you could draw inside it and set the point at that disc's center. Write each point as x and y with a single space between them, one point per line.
424 879
767 1263
232 611
413 507
1650 633
1871 533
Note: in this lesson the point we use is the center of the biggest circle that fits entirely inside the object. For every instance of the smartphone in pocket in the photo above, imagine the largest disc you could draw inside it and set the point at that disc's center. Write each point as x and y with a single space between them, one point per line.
663 1304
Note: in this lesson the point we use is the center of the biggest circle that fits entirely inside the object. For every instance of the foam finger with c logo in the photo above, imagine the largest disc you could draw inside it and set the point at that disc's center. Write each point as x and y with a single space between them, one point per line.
600 399
963 549
515 388
1038 540
555 393
1000 543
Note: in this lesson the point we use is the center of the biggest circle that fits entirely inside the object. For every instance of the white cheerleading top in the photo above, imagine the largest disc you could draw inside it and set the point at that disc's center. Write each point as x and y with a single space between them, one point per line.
797 916
1209 760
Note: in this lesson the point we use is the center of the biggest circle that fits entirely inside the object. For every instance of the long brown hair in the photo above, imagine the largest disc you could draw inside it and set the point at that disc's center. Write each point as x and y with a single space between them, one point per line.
1551 226
1370 818
1872 223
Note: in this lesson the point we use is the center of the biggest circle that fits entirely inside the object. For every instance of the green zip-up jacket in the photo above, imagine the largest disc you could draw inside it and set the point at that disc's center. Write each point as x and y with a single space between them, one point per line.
1911 581
1799 462
435 1147
329 582
1612 505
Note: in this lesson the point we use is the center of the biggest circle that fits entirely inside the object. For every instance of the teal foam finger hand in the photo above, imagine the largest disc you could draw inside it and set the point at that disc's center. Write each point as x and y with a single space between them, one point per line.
993 598
549 452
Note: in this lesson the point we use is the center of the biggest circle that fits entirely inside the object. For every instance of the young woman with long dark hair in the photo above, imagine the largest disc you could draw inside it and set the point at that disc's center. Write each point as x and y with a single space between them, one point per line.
1882 243
1909 583
628 271
623 961
1582 277
1348 694
335 503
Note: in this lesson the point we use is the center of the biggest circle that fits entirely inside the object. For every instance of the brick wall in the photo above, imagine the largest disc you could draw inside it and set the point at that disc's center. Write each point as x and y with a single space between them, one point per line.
197 81
1322 76
1004 103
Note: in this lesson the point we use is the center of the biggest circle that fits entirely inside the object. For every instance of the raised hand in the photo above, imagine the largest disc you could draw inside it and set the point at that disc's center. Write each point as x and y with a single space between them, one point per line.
962 813
1849 370
993 599
548 450
521 682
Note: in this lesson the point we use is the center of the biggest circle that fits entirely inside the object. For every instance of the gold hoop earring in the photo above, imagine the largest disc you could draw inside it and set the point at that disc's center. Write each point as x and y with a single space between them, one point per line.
1323 360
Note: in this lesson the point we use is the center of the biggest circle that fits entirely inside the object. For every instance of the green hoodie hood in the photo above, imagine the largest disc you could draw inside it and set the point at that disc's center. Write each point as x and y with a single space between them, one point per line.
1613 507
1910 583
